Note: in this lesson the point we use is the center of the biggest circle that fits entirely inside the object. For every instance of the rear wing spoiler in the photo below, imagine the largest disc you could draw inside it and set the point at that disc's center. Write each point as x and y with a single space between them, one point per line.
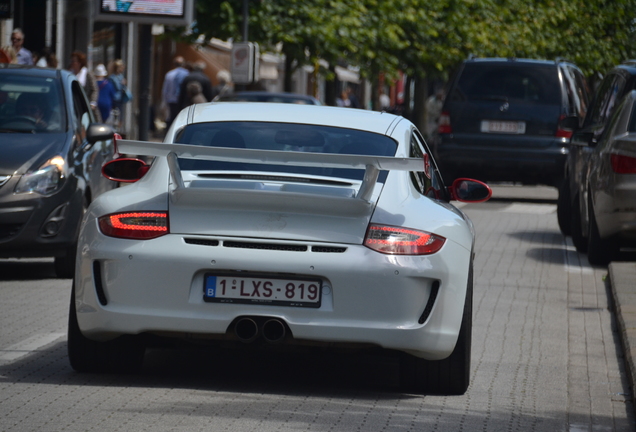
371 164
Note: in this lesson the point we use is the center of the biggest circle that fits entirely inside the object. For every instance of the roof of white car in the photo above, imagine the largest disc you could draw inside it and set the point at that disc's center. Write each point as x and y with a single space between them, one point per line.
373 121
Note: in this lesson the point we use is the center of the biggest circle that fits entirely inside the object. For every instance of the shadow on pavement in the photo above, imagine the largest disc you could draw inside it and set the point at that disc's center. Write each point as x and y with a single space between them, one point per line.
15 270
314 372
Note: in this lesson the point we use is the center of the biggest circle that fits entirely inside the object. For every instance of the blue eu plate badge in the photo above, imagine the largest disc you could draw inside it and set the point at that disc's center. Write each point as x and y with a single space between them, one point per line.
210 286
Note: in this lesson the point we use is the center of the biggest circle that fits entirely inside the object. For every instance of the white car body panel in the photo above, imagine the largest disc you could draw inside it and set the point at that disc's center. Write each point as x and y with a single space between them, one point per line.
156 286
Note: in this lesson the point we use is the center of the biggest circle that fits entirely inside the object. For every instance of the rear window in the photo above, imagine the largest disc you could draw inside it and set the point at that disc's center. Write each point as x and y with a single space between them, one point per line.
268 98
508 81
283 137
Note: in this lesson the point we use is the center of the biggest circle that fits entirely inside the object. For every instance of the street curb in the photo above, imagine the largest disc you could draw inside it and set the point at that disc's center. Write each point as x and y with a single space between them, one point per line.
623 285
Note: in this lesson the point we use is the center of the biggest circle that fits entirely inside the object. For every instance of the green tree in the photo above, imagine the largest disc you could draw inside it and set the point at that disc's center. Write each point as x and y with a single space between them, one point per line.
427 38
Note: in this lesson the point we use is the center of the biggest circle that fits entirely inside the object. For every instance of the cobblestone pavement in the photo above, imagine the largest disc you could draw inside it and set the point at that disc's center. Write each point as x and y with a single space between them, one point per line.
546 357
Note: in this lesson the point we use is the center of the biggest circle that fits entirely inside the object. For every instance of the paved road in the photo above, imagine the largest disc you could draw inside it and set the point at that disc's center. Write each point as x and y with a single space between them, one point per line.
546 356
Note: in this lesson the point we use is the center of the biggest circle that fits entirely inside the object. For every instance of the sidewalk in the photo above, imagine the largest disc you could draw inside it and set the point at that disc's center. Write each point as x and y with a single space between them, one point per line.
623 284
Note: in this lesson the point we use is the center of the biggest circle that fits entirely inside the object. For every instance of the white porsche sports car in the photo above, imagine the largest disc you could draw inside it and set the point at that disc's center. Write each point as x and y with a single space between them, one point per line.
277 223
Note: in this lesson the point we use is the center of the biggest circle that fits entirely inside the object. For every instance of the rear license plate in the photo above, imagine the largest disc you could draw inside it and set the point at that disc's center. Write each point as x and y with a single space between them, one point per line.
218 288
503 127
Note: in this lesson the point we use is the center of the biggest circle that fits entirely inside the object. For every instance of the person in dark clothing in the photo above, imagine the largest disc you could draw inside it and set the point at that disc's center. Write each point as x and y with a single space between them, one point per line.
196 75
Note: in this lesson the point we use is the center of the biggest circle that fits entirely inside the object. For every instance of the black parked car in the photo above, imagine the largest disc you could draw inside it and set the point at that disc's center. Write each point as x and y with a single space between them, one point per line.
50 168
510 120
588 144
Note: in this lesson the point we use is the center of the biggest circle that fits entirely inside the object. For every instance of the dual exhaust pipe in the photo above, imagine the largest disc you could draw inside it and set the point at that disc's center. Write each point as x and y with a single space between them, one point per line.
248 330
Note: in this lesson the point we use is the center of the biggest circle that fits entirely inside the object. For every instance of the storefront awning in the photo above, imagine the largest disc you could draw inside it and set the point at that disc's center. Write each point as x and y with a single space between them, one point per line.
347 75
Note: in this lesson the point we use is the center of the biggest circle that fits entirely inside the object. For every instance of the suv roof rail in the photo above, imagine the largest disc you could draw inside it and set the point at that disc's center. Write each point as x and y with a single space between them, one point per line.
471 56
561 59
630 62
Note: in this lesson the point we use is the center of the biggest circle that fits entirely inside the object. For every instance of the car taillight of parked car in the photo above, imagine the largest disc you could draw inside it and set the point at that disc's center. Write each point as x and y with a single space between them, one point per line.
135 225
402 241
562 132
622 164
444 125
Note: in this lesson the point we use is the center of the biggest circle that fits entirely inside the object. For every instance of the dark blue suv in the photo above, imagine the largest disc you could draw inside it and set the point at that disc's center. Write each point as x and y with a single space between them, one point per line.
510 120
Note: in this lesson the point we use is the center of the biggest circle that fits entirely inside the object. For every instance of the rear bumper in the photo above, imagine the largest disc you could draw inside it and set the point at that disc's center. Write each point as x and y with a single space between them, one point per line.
156 286
489 157
615 211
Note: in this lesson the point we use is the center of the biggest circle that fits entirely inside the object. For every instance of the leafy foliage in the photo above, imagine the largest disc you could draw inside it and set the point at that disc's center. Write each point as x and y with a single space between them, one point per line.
429 37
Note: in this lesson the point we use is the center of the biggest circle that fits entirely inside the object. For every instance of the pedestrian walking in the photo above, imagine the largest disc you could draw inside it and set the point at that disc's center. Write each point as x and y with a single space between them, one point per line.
85 77
8 55
195 92
432 112
106 95
224 85
171 89
24 56
196 75
122 94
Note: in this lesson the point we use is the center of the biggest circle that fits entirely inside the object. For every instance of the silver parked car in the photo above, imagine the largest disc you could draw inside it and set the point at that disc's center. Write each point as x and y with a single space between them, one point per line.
610 190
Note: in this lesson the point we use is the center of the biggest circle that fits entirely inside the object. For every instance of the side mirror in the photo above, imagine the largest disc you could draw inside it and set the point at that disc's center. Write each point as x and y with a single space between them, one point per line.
99 132
583 139
125 170
468 190
569 123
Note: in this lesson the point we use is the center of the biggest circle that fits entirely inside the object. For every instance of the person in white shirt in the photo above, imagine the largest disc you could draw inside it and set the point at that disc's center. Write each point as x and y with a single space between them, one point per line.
171 88
25 56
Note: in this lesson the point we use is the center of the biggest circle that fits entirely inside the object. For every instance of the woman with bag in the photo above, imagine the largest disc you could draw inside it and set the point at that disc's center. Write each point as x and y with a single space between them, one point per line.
122 94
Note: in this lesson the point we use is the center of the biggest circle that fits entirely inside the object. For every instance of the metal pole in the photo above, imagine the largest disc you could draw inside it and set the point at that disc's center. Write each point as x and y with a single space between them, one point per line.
246 15
145 45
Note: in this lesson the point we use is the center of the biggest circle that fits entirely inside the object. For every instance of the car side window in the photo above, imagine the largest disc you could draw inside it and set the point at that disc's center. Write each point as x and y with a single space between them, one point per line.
428 182
583 91
616 92
577 93
607 96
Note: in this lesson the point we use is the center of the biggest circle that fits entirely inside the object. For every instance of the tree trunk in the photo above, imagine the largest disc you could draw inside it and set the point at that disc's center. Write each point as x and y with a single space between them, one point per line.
331 88
419 104
289 72
407 97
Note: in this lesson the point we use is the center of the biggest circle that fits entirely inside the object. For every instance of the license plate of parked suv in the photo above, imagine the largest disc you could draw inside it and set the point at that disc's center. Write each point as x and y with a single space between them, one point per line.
505 127
282 292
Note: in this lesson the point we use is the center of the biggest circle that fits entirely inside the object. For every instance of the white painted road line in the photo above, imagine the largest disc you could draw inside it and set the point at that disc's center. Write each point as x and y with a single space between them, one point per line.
539 209
28 346
573 261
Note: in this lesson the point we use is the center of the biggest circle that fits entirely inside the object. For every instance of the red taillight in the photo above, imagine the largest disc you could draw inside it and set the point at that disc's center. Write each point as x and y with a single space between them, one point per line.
623 164
402 241
135 225
444 125
561 131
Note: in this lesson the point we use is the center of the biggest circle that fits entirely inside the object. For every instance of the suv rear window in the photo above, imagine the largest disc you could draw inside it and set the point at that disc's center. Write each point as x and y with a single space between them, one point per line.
508 81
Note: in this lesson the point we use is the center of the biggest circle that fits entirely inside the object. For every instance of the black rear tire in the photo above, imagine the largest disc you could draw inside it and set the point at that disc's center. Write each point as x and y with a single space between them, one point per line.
122 355
450 376
600 251
578 238
65 265
564 211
